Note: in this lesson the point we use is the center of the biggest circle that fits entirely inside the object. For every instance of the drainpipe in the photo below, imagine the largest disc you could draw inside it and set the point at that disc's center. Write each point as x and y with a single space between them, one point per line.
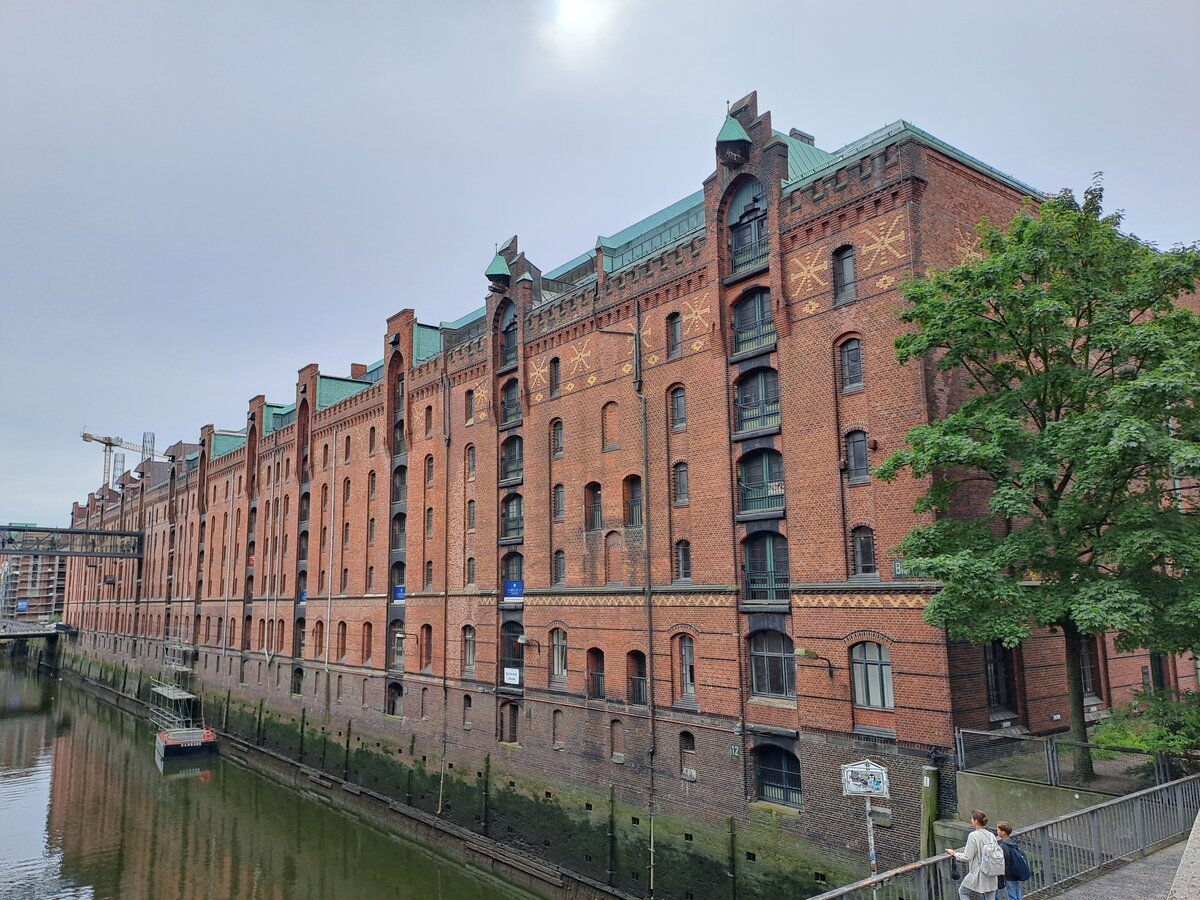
445 577
329 583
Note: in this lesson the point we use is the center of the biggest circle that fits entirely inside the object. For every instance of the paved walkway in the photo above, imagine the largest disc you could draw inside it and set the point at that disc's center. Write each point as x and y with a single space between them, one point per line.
1148 878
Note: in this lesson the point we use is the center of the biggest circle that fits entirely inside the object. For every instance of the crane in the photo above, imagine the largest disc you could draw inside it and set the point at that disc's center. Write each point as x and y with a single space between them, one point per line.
146 449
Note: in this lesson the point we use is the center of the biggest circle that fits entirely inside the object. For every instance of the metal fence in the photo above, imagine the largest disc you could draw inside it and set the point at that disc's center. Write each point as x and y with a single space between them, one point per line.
1058 761
1059 850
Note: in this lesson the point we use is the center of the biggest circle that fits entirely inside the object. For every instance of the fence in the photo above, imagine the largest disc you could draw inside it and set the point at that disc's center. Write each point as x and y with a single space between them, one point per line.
1059 850
1061 762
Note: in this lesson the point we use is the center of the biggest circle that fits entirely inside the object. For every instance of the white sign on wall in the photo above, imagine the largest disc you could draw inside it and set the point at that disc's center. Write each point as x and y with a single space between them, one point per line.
512 676
864 779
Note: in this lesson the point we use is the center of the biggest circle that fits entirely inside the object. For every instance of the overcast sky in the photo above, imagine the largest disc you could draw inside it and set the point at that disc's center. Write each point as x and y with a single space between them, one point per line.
198 199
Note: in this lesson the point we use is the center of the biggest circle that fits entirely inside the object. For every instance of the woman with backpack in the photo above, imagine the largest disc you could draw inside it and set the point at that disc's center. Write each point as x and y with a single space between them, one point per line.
984 859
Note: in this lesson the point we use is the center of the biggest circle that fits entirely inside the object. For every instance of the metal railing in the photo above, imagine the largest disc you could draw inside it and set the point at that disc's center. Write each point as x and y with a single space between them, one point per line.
508 356
510 411
592 518
767 586
512 469
1059 850
512 528
755 414
752 336
750 255
633 513
757 497
595 685
637 690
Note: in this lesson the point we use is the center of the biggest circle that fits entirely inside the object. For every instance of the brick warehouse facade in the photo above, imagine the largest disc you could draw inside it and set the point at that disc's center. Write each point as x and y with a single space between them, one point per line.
615 533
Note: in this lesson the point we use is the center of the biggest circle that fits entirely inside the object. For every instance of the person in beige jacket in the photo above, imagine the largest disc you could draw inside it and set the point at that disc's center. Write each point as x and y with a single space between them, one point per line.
975 884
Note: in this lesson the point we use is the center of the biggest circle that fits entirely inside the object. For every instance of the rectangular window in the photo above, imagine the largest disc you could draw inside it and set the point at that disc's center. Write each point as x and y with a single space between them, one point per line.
559 503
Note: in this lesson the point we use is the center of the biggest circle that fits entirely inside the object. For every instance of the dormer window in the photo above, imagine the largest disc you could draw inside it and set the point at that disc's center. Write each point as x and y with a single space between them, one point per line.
747 222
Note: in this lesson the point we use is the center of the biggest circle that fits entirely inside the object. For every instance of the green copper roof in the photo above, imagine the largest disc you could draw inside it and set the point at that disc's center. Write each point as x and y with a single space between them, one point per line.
498 267
732 130
463 321
803 157
269 411
225 442
331 391
427 340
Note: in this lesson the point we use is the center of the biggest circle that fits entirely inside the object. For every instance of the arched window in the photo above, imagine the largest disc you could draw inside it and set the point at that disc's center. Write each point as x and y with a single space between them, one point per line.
616 740
512 567
345 582
470 515
760 481
595 673
470 573
687 755
555 377
753 325
635 674
558 574
508 335
767 576
340 648
510 403
778 775
512 459
466 711
428 471
631 489
468 647
305 506
469 462
558 654
686 660
610 427
399 446
512 653
346 453
510 718
862 540
772 664
758 400
747 221
678 408
396 576
593 518
843 275
557 442
857 468
674 336
682 561
469 406
556 729
426 647
429 521
370 488
871 675
371 441
319 638
558 503
399 531
679 484
395 699
614 558
371 532
395 651
345 535
850 354
429 574
428 422
298 680
400 484
366 642
512 518
325 456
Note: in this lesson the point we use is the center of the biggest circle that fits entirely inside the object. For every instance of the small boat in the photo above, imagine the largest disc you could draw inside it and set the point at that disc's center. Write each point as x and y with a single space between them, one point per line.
176 709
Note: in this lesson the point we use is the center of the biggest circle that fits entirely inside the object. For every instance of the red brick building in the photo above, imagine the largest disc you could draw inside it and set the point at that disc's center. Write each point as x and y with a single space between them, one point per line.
617 526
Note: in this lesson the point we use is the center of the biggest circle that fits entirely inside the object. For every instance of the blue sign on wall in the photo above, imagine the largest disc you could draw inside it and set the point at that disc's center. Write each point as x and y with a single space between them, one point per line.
22 606
304 596
398 594
514 591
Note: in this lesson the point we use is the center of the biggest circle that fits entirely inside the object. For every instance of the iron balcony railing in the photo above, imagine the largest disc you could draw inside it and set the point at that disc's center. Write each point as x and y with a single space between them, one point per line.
633 513
1059 850
510 411
767 585
595 685
755 414
399 492
761 496
753 336
512 528
512 469
638 695
508 356
399 540
751 255
592 518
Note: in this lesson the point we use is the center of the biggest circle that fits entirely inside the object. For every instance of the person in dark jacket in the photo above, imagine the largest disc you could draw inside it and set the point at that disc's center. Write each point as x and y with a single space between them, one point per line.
1012 886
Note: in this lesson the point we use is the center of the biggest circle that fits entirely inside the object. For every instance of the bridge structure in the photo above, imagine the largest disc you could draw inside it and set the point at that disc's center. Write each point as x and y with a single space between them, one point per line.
30 540
18 630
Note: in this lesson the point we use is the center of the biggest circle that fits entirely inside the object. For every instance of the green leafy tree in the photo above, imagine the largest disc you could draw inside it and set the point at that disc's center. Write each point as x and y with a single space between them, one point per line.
1082 382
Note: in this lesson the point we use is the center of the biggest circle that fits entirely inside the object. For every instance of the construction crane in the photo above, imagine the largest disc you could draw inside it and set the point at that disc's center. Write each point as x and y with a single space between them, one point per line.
146 449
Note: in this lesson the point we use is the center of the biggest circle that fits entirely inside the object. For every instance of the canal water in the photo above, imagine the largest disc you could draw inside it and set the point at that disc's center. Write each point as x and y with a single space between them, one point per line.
86 812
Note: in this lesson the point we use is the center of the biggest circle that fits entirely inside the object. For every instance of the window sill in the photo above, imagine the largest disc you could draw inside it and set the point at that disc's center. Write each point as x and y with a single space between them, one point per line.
858 480
743 274
507 367
510 541
772 806
853 389
888 734
751 353
756 433
760 514
511 480
507 426
772 701
682 426
609 448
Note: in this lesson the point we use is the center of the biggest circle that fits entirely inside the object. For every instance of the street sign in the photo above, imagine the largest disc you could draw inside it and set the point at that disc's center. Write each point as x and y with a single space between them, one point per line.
864 779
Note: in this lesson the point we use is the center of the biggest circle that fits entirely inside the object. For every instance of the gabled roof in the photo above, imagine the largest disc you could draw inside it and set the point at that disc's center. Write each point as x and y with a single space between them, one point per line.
732 130
331 391
226 442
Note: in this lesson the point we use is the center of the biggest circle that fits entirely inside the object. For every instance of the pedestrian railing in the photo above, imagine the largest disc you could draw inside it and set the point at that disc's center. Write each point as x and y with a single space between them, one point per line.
1059 850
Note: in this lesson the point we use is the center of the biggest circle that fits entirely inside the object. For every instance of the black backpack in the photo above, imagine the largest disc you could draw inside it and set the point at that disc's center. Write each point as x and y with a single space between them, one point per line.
1017 863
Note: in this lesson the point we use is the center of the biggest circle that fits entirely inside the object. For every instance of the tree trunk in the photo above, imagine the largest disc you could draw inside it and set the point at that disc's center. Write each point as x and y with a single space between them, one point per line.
1074 646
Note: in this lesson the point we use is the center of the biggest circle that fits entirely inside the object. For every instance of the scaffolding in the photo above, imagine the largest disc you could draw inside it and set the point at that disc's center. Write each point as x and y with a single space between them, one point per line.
175 706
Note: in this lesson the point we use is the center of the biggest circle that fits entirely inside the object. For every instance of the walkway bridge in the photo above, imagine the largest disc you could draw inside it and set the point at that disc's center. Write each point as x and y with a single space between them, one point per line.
29 540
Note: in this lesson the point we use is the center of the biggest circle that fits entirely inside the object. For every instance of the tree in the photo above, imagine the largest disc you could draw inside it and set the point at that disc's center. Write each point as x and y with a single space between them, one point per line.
1080 422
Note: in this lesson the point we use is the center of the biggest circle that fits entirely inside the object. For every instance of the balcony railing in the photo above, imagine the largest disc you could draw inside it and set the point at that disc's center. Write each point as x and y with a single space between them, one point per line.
508 356
399 492
753 336
751 255
755 414
512 528
767 585
595 685
633 513
761 496
638 695
510 411
512 469
399 540
592 518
